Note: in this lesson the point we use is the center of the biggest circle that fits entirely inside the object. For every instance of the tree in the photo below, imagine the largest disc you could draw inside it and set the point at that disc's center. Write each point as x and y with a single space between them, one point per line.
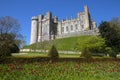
53 53
10 38
95 44
9 25
111 32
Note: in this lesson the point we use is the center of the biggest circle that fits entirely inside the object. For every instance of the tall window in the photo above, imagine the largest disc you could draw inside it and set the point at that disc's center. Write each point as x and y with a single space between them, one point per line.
66 28
82 26
71 28
76 27
62 29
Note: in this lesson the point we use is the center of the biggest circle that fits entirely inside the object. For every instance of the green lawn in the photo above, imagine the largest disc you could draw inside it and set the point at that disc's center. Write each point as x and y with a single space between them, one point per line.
33 55
62 55
29 55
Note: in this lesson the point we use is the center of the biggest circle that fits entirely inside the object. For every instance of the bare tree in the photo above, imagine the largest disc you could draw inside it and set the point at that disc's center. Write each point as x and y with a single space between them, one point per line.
9 32
9 25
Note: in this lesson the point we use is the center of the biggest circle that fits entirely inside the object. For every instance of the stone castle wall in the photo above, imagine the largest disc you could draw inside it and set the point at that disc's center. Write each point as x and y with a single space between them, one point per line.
79 33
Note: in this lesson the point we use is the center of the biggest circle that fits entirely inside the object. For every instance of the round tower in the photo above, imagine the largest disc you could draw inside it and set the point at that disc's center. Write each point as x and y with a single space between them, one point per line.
87 17
34 30
55 19
49 15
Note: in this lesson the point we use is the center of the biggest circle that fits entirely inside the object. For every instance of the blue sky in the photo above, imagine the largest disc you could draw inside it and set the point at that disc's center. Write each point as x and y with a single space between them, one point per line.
23 10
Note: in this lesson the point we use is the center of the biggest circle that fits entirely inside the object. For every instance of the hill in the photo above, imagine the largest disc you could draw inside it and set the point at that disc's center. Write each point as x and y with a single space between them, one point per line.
69 44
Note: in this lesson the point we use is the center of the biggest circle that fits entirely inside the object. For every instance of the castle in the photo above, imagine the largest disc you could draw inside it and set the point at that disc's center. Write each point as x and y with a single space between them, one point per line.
44 27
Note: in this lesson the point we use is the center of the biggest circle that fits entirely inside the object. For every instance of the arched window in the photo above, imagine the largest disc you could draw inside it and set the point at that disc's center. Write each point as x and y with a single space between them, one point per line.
62 29
76 27
71 28
82 26
66 28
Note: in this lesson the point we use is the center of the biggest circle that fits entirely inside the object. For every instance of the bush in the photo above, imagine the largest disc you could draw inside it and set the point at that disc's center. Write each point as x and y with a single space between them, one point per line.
111 52
96 44
7 49
113 55
53 53
14 48
4 51
86 53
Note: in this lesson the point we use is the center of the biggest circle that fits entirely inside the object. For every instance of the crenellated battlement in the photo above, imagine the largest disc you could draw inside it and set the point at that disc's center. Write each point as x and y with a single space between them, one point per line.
34 18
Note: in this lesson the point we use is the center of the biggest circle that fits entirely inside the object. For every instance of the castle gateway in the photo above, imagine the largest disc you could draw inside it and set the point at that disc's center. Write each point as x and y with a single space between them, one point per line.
45 27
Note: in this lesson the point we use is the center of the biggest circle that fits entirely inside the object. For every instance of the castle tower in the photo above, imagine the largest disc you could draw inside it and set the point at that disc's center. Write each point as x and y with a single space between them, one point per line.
40 17
49 15
55 19
34 30
87 18
59 28
46 26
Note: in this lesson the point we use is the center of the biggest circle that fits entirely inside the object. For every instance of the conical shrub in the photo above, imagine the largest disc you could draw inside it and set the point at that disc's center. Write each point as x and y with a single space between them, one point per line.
53 53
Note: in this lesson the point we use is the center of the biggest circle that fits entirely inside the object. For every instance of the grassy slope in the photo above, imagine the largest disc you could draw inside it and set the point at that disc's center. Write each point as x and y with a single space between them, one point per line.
61 44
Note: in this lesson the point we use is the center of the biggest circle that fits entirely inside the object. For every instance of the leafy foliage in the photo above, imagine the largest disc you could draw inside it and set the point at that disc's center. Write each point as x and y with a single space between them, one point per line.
95 44
110 51
14 48
7 46
111 32
8 41
5 50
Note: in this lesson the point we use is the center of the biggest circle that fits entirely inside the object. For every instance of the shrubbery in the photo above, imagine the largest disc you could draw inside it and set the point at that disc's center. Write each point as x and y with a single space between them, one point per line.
14 48
110 51
94 44
86 53
53 53
6 50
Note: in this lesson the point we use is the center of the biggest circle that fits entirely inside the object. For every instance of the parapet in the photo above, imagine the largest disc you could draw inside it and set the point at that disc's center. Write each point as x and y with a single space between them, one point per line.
34 18
55 19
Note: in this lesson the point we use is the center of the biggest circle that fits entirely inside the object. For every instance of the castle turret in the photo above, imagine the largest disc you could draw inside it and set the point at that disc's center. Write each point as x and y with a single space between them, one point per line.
49 27
93 25
40 17
49 15
34 30
87 18
55 19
